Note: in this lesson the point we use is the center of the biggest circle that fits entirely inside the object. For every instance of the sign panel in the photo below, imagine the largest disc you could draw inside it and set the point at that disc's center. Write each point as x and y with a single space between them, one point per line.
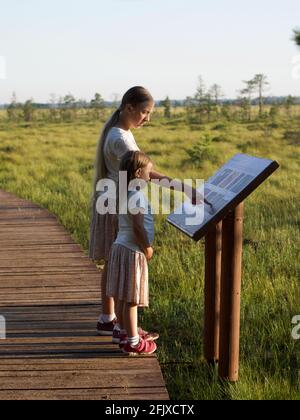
228 187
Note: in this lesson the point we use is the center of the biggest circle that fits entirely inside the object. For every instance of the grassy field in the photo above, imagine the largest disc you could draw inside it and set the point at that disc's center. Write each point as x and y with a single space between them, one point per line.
52 165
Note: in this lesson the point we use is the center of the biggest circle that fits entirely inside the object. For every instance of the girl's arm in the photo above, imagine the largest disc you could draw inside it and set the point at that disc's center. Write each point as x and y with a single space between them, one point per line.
141 236
154 175
191 192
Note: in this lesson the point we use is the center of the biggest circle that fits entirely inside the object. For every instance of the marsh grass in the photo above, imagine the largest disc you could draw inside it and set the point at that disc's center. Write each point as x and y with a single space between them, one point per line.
52 165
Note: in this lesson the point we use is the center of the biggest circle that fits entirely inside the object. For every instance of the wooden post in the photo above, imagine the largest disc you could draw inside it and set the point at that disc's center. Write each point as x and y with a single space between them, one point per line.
232 246
212 290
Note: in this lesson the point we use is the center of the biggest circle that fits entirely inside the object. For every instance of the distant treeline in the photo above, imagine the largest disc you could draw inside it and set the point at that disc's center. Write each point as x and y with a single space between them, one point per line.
175 103
207 104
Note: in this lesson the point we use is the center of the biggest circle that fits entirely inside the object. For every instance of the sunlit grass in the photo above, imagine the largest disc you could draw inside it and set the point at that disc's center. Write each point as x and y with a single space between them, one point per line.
52 165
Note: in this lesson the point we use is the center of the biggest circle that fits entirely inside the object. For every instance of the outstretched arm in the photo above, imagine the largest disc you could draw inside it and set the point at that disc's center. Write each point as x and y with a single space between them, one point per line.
191 192
154 175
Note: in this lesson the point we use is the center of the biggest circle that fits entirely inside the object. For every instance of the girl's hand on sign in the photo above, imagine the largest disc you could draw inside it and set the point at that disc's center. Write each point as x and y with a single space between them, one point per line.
198 198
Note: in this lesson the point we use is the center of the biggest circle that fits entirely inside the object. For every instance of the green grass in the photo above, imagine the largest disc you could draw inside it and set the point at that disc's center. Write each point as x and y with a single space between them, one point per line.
52 165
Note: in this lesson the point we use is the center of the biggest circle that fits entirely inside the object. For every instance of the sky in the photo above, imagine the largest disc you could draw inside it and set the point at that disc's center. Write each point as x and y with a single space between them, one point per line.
107 46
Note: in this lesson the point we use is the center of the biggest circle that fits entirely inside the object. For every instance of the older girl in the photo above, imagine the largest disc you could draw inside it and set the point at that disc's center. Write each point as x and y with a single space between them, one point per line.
116 139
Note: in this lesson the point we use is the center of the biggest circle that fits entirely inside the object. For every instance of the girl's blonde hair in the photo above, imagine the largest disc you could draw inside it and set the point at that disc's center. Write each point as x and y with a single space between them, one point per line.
133 96
131 162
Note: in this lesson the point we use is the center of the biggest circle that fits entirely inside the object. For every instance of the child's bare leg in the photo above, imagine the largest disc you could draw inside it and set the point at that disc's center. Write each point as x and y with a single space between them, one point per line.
130 319
108 306
119 313
135 345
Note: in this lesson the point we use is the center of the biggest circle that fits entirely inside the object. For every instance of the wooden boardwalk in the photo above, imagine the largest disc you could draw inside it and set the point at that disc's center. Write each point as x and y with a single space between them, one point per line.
50 298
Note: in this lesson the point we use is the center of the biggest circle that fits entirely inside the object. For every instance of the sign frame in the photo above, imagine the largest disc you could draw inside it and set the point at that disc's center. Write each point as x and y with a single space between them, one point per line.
239 198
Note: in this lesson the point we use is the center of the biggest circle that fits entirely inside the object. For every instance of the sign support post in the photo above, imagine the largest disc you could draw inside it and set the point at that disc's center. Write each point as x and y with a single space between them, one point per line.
223 269
230 311
212 292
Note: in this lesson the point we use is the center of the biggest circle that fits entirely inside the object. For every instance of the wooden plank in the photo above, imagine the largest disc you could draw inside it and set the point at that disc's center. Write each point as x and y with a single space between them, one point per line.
11 291
63 261
35 234
7 256
47 247
24 230
43 269
46 301
38 294
80 380
36 341
65 364
70 324
20 213
52 308
19 246
21 312
90 279
28 221
61 348
122 394
36 237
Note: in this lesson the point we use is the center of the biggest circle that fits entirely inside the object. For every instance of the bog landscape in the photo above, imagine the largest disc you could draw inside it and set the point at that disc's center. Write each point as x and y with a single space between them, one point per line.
47 156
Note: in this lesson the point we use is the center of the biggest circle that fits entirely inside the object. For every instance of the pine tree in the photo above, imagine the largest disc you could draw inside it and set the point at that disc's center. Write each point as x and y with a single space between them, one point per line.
297 36
260 82
97 106
288 103
201 99
28 110
53 107
247 93
13 109
167 107
68 109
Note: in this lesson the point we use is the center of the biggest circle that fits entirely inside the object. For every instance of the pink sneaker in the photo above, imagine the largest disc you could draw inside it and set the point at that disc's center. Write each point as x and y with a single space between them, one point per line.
144 348
121 339
148 336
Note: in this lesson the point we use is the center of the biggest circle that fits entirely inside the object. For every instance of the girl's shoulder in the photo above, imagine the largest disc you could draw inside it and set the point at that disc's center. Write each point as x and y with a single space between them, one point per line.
119 141
137 199
117 133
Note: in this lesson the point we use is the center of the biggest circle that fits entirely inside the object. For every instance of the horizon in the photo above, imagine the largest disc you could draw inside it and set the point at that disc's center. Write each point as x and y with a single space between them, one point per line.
107 47
111 102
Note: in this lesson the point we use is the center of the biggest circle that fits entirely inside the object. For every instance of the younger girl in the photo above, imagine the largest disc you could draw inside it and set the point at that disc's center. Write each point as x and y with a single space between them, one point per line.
127 279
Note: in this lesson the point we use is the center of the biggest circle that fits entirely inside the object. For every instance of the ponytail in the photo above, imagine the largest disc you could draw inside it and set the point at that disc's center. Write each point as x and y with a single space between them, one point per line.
100 166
